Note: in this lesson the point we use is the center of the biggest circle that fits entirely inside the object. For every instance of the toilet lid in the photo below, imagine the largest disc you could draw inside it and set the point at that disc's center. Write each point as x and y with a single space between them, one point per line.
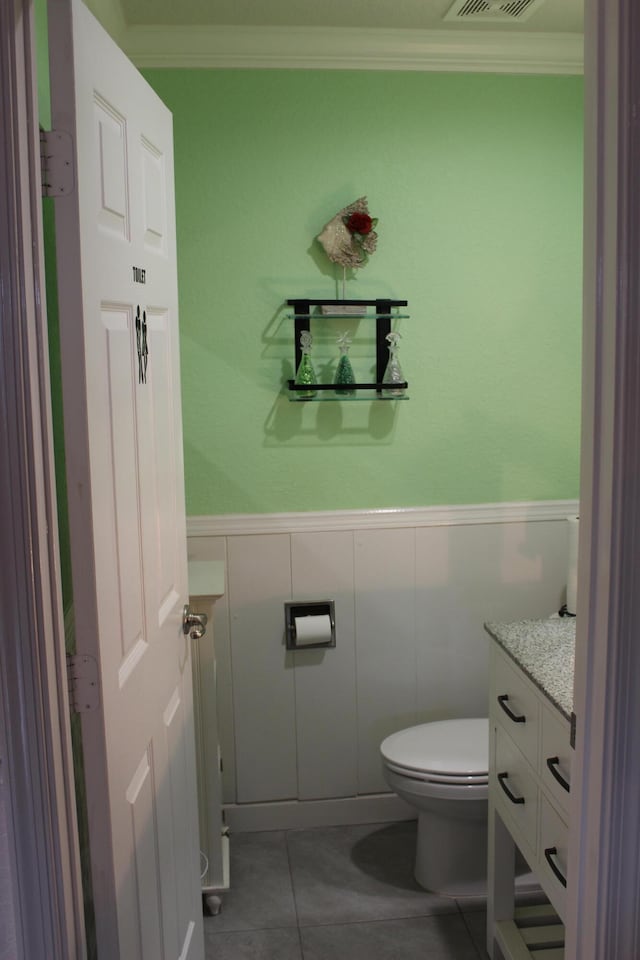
450 748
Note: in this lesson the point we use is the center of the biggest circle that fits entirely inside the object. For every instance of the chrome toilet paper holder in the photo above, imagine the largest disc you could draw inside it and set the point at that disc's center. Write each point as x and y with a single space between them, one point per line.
308 608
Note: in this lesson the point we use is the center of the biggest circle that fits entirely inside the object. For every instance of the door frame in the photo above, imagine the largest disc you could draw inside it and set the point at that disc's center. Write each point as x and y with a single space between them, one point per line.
604 839
34 708
604 861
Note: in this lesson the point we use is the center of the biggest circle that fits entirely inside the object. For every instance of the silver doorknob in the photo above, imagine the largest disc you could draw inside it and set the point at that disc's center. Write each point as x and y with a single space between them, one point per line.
194 624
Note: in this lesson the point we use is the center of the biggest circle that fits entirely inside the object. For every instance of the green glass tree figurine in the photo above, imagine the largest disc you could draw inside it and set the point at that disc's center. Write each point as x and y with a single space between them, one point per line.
306 375
344 372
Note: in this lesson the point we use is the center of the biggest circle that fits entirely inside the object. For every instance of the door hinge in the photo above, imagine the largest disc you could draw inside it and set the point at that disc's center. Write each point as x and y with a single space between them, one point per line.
82 676
572 734
56 163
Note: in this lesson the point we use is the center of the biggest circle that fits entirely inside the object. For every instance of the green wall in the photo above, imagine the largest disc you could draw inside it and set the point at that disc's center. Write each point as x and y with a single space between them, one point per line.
48 229
477 184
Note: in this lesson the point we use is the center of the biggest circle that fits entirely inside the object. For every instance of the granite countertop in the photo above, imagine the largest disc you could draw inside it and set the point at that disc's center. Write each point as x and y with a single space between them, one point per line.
545 650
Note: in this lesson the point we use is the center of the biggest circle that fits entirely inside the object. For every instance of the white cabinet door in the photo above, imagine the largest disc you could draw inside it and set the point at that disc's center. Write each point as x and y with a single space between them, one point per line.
115 238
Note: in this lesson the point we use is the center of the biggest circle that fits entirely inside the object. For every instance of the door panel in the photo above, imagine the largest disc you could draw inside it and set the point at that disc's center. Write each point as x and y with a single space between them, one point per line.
153 176
119 399
141 795
112 198
162 481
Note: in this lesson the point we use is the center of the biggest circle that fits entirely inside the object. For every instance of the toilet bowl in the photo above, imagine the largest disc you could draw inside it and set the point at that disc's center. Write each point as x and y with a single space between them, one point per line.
441 769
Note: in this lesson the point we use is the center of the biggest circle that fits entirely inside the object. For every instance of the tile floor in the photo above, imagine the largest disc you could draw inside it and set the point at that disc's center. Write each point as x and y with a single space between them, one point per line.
338 893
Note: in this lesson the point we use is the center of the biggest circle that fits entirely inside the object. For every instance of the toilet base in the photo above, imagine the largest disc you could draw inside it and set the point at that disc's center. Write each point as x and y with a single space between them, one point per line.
451 852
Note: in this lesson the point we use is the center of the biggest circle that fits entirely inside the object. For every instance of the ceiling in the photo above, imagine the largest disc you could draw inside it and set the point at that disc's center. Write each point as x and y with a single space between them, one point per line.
552 16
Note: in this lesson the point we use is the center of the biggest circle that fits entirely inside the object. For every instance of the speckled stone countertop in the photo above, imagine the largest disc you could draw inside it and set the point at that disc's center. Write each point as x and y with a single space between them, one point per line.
545 650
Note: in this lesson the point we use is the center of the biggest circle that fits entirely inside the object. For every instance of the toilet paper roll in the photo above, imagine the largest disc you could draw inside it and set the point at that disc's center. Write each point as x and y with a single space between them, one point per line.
312 630
572 565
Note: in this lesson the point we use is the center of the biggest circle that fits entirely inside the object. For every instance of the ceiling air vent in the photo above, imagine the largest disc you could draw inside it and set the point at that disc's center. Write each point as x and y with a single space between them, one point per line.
492 11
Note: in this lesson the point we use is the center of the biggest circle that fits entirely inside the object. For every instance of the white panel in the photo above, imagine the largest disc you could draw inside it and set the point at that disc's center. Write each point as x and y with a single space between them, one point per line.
452 575
188 945
168 856
466 575
122 479
385 644
215 548
140 795
292 815
131 661
259 582
153 177
161 483
113 200
180 790
326 722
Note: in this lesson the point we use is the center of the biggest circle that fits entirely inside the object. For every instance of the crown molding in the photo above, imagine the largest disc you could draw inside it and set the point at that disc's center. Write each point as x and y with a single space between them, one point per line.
351 48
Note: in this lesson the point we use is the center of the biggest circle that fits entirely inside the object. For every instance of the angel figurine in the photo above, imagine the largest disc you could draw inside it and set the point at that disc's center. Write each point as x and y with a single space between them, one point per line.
393 374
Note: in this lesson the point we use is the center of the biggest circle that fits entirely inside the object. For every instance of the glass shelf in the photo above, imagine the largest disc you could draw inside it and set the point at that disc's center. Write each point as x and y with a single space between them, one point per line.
346 316
329 391
329 397
383 315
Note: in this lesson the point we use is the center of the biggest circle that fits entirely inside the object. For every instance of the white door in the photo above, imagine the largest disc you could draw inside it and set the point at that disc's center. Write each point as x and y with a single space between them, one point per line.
115 240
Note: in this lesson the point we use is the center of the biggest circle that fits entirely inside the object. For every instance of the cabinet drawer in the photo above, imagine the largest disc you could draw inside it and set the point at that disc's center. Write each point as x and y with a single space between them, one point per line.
516 708
515 790
553 858
556 758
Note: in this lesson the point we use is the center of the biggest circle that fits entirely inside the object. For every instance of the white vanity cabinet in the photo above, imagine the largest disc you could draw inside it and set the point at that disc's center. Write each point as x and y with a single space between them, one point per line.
529 784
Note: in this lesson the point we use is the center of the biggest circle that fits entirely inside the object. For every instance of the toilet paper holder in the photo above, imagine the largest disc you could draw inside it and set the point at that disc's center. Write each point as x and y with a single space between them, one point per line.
308 608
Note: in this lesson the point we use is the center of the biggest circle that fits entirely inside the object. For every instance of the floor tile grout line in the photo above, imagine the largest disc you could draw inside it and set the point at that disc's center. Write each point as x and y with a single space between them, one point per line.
293 886
220 933
403 916
475 946
293 893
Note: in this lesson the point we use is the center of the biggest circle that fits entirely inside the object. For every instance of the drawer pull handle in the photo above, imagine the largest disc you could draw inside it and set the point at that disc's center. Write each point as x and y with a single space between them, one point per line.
502 780
502 700
553 763
549 855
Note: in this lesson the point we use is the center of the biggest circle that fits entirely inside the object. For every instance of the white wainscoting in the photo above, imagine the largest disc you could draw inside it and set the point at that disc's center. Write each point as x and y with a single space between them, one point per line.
300 730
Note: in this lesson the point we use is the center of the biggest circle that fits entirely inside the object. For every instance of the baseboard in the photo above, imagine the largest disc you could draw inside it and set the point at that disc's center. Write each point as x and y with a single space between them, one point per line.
301 814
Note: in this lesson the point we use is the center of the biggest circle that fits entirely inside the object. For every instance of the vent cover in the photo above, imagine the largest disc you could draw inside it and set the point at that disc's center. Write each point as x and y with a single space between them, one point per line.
492 11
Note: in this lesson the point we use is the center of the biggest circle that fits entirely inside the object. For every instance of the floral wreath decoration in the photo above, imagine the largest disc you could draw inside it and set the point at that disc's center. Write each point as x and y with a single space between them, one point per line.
349 238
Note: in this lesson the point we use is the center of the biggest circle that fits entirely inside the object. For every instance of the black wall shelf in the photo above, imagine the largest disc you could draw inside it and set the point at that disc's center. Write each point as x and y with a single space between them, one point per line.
302 316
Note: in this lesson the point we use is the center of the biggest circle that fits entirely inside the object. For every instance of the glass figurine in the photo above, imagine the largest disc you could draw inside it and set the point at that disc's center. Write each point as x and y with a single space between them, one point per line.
306 374
393 373
344 371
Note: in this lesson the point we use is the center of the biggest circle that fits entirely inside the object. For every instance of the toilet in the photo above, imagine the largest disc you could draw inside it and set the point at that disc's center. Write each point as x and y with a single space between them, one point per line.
442 769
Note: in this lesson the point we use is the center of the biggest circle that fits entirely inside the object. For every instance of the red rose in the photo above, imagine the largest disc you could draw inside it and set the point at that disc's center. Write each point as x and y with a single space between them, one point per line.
359 223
